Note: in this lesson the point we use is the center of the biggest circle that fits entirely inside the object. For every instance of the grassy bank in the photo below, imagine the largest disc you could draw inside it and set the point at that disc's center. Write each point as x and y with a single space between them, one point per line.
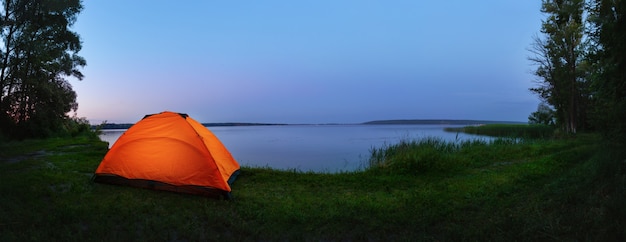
562 189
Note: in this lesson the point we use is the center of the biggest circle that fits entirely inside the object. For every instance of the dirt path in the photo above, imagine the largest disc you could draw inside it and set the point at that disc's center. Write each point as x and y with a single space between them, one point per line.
32 155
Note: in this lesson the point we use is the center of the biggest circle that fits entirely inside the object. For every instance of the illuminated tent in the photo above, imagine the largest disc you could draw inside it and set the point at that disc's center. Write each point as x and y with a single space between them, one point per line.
170 151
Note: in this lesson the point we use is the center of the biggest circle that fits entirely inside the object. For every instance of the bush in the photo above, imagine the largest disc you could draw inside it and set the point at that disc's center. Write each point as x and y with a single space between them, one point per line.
39 127
76 126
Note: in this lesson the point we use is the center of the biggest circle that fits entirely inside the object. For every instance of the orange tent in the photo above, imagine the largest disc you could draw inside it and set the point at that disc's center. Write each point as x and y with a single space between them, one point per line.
170 151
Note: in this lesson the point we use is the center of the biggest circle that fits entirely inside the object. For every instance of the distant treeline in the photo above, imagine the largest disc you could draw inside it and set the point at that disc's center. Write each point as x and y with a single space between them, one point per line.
127 125
398 121
440 121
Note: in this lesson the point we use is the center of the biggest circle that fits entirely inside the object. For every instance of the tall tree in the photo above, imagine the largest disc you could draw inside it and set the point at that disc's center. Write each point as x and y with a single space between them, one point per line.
608 19
559 57
38 52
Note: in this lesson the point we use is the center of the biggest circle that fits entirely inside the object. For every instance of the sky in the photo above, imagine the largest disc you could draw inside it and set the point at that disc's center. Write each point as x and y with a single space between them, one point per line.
307 61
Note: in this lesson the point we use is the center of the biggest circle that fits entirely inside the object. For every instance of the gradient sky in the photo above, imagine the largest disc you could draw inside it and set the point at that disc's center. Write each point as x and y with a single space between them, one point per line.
317 61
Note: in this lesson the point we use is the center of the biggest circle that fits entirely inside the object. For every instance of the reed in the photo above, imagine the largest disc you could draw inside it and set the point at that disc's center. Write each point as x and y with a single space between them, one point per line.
433 154
509 130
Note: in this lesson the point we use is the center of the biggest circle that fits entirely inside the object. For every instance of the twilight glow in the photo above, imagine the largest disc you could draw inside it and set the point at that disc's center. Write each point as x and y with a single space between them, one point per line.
307 61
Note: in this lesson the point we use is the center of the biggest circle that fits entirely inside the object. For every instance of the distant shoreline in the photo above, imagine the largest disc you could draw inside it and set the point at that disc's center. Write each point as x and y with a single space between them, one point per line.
375 122
128 125
441 121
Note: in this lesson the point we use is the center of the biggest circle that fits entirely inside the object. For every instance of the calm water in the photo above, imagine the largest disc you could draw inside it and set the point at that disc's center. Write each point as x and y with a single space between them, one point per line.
319 148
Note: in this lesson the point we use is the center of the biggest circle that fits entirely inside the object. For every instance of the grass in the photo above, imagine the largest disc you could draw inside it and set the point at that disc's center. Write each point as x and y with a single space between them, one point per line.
541 189
433 154
529 131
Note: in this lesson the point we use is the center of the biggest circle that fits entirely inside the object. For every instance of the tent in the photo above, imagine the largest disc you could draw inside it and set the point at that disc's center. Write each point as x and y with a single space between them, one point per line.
170 151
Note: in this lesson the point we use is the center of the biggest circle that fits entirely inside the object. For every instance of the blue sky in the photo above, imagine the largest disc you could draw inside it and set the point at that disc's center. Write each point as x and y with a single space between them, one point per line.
307 61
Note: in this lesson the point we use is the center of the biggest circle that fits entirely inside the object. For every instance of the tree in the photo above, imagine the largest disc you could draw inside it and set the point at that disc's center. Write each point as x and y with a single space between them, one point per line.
543 115
38 52
608 21
559 57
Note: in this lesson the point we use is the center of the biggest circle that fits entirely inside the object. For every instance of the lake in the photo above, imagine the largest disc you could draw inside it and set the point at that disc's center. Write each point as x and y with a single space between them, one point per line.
317 148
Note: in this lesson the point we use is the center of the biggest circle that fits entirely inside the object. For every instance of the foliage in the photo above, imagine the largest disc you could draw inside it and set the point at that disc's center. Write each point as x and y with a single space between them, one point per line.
544 115
37 53
560 62
581 63
608 32
76 126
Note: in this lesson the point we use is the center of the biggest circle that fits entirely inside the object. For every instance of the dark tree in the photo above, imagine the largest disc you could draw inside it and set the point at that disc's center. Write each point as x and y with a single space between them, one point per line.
38 52
543 115
608 32
559 57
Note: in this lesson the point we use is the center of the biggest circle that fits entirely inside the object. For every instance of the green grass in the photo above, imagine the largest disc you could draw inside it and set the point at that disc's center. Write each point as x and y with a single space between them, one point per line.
433 154
534 131
559 189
